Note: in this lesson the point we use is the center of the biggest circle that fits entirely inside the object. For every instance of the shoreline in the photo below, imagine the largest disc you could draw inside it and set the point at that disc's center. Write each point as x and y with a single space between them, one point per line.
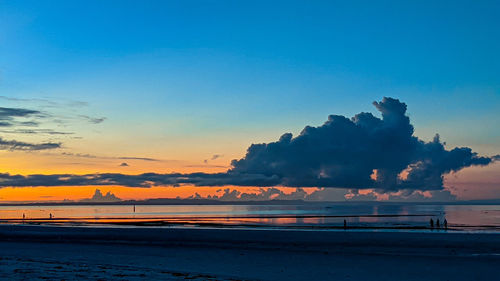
240 223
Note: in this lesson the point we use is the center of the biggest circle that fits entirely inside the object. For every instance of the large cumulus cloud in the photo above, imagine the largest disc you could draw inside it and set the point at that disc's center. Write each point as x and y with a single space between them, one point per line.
359 152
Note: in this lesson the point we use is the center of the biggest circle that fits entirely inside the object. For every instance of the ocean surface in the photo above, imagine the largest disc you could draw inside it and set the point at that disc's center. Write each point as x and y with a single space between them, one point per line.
324 216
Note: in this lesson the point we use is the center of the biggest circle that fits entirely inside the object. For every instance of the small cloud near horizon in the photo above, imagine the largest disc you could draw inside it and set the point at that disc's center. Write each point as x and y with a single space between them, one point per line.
99 197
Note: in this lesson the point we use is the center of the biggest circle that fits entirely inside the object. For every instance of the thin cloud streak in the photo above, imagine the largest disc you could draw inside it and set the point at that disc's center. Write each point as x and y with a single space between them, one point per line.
35 132
9 117
26 146
111 157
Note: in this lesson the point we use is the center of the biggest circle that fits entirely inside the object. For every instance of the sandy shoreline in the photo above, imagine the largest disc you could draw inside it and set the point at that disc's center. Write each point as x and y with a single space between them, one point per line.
224 254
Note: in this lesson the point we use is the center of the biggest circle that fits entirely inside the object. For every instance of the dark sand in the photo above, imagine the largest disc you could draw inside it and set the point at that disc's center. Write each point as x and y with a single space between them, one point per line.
91 253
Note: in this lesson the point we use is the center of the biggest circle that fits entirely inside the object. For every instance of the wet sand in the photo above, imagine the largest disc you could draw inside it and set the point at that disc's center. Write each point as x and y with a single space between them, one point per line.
90 253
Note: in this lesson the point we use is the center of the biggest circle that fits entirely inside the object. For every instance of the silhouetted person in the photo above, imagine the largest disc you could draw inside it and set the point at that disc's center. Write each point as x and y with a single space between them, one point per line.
445 223
50 215
437 223
345 224
24 216
432 223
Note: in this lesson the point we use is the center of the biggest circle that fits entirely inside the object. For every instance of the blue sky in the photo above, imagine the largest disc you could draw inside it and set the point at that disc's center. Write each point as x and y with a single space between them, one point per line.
284 64
231 73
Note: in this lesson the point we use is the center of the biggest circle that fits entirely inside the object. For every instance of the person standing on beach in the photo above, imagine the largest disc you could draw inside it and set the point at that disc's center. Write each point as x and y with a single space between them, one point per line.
445 224
437 224
432 223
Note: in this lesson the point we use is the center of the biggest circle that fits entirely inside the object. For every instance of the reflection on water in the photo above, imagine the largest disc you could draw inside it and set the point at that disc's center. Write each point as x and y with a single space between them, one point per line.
323 216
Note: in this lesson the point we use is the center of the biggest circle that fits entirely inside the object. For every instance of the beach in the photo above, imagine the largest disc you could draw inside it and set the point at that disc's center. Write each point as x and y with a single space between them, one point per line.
139 253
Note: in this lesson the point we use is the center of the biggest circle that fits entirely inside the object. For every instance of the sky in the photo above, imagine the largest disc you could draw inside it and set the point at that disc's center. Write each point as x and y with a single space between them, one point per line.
133 87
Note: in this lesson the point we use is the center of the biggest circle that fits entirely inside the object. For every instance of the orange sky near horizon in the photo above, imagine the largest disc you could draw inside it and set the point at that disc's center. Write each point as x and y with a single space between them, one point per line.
75 193
470 183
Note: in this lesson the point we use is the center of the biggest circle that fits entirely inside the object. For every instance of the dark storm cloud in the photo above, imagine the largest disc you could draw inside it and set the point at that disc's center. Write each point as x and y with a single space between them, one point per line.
26 146
359 152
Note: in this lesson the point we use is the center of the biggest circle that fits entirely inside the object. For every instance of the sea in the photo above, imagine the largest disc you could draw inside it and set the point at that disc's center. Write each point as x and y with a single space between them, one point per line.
307 216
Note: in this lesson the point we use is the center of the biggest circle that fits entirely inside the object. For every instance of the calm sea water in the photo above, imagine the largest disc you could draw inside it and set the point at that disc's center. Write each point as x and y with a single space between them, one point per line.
307 216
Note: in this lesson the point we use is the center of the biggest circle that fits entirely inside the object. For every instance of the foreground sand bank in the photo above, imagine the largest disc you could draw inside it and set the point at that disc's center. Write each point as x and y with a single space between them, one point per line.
171 254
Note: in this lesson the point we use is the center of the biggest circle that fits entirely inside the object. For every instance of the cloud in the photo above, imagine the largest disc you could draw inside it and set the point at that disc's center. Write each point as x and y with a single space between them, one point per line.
229 195
35 132
26 121
328 194
19 100
206 166
59 102
419 196
8 116
93 120
79 155
98 197
195 196
25 146
138 158
355 195
214 157
356 153
6 112
336 194
348 153
141 180
111 157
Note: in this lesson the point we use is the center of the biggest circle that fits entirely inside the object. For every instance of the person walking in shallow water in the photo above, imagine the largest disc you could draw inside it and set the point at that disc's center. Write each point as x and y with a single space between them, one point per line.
432 223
